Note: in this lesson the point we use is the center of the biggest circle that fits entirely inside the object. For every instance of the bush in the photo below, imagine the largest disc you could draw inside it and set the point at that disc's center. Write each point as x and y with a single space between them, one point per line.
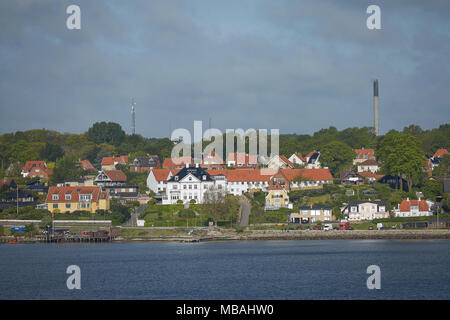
240 229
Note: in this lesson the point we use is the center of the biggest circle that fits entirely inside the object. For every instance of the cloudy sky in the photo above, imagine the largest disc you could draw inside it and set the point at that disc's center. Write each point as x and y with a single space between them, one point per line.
294 65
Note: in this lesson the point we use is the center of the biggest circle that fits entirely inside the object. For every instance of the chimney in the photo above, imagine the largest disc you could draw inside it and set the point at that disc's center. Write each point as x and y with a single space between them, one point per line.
375 108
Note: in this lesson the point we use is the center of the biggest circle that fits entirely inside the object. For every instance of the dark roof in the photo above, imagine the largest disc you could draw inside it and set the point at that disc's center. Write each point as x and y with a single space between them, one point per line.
197 172
313 157
146 161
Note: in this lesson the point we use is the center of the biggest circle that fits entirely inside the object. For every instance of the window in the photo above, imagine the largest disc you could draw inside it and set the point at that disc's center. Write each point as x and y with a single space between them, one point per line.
55 197
68 205
68 197
55 206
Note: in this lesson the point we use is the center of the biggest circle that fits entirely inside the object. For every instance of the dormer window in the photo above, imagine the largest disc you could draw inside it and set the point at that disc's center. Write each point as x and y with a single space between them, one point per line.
176 178
55 197
68 197
204 177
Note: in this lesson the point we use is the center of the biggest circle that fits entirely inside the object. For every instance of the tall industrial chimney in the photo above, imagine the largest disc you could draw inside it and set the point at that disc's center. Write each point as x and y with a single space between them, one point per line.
375 108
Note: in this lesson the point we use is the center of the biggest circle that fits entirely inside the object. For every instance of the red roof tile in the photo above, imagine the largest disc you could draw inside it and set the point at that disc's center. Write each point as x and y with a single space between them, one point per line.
33 164
405 205
440 152
163 174
87 165
364 153
74 192
170 163
312 174
116 175
108 161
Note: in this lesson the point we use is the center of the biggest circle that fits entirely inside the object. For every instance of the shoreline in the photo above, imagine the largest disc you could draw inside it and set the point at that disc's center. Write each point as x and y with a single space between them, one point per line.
277 235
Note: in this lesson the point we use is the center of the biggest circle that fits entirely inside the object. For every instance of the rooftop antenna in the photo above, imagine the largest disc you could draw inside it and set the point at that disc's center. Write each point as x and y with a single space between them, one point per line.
133 116
376 123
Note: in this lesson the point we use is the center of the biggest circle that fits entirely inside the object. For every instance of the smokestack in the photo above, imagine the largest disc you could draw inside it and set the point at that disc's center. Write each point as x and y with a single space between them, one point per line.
375 108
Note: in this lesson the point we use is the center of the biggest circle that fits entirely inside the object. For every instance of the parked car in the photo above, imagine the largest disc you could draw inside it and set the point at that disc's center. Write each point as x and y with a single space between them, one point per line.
308 228
336 228
327 227
317 228
370 227
298 228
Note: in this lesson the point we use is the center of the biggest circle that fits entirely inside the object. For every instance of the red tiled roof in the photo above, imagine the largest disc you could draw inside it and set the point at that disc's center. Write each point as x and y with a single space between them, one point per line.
108 161
369 162
266 174
163 174
364 153
87 165
286 160
74 192
33 164
405 205
369 174
312 174
169 163
246 175
440 152
116 175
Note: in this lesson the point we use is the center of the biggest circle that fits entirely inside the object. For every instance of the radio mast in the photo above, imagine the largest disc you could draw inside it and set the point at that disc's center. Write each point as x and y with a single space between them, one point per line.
133 116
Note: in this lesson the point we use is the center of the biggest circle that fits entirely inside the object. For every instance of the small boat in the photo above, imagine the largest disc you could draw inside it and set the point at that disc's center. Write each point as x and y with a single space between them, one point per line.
14 242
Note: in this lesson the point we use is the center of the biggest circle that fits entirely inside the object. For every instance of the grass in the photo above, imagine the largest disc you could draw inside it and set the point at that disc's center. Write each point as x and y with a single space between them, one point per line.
157 233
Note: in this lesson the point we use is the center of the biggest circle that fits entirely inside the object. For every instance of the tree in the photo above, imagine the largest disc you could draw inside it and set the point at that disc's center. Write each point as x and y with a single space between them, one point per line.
30 228
443 169
336 156
51 152
106 132
432 188
66 168
401 156
218 204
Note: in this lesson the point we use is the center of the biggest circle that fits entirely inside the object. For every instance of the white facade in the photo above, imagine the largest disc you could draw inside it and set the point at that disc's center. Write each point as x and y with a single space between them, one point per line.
295 159
366 210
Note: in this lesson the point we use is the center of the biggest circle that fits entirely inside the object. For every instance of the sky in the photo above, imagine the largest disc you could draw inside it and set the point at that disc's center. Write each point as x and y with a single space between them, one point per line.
297 66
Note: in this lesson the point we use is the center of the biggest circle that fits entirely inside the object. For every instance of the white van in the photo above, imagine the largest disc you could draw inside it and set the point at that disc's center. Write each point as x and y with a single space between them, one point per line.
328 226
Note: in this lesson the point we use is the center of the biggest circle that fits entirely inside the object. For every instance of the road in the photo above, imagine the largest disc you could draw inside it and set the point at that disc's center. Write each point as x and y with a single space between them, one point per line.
135 215
245 211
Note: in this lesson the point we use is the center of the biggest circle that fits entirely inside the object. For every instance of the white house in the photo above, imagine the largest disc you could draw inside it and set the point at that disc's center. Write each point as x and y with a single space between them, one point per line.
366 210
190 183
414 208
157 179
368 166
297 158
312 160
279 162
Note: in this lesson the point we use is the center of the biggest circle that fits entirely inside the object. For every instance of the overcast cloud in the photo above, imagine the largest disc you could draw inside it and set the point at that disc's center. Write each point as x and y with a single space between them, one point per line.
294 65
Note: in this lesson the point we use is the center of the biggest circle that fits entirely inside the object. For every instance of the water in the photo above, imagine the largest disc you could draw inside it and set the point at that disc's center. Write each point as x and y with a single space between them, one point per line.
228 270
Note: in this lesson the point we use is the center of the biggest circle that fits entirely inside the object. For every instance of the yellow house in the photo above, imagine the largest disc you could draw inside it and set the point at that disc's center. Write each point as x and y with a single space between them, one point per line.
277 196
70 199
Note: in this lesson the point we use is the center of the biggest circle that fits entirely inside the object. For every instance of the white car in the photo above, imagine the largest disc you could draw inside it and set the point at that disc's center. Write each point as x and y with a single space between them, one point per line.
327 227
